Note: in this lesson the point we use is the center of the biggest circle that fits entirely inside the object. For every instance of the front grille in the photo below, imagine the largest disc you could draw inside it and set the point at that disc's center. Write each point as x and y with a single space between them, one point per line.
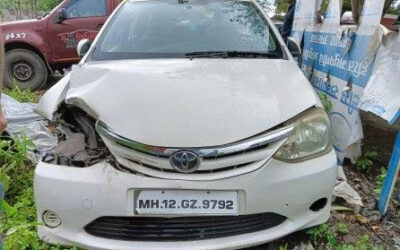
144 162
208 171
180 228
216 162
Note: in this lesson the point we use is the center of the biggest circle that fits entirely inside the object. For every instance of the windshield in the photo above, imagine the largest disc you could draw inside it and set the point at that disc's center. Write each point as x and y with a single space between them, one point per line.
165 29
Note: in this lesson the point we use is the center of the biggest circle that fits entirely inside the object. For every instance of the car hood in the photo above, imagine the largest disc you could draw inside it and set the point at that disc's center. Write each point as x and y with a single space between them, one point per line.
190 103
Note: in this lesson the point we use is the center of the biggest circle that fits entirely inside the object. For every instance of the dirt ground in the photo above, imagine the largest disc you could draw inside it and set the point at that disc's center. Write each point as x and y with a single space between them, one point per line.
379 136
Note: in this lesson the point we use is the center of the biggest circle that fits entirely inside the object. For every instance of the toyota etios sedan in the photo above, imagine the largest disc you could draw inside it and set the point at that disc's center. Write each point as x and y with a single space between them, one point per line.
187 125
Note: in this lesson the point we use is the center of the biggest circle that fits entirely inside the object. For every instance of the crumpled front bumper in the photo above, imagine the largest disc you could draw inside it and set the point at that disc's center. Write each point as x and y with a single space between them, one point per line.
81 195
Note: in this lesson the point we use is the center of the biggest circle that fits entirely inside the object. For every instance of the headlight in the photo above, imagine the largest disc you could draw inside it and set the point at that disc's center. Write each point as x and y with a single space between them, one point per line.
311 137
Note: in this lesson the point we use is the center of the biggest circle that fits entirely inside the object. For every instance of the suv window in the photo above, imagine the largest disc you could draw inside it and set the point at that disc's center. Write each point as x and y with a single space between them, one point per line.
171 28
86 8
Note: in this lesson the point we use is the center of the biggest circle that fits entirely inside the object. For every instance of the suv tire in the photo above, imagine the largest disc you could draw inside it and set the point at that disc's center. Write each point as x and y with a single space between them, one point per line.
24 68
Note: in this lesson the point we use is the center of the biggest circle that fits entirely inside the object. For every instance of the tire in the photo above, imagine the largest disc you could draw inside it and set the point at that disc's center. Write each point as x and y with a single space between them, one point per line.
24 68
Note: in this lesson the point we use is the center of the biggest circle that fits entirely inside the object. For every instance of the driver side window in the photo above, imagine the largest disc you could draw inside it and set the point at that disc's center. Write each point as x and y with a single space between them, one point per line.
86 8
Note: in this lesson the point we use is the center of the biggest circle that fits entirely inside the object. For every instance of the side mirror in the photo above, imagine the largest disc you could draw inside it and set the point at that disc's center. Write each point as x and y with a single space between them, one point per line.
62 15
83 47
293 47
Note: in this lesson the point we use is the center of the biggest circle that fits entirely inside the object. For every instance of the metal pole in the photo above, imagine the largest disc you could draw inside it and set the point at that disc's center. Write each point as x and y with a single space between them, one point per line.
391 177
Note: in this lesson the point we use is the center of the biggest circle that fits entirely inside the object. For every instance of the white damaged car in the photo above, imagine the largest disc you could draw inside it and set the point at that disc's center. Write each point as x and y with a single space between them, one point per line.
198 131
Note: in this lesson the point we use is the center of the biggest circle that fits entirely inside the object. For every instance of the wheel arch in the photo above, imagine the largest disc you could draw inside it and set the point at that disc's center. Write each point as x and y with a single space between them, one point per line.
23 45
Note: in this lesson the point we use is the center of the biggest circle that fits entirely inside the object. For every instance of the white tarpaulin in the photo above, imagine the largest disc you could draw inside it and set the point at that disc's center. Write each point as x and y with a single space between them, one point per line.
381 96
23 120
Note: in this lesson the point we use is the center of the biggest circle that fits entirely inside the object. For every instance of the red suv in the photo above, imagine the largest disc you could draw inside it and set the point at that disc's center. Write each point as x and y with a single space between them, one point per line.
35 49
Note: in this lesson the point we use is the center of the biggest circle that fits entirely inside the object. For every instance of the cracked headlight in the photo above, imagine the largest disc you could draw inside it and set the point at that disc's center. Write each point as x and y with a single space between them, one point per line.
311 137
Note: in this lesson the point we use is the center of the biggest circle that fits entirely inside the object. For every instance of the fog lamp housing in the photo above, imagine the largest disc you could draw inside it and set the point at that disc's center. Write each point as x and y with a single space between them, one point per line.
51 219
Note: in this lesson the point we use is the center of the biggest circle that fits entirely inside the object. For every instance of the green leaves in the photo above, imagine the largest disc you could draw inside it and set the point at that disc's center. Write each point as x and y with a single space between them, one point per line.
47 5
18 223
380 180
281 6
21 95
364 162
283 247
326 102
342 228
39 5
5 180
322 234
371 154
13 153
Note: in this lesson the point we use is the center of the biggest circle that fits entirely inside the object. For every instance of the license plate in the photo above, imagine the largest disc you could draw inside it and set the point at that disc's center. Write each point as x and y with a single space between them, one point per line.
178 202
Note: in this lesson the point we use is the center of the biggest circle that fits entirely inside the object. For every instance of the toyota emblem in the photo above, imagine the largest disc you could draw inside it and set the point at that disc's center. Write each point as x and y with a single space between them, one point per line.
185 161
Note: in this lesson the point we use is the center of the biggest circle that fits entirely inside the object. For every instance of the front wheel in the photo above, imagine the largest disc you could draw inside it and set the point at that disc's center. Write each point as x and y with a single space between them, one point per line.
25 69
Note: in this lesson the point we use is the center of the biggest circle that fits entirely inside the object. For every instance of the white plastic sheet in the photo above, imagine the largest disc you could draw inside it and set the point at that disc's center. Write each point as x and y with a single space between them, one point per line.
22 120
17 112
382 93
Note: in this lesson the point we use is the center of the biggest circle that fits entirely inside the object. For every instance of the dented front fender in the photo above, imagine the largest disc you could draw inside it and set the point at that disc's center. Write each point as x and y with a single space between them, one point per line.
52 99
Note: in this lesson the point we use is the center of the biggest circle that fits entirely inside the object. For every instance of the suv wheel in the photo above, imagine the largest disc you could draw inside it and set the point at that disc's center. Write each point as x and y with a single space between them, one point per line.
25 69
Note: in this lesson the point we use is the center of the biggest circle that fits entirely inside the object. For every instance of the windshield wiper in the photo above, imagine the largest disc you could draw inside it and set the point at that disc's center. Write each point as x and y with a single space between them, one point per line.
207 54
235 53
232 53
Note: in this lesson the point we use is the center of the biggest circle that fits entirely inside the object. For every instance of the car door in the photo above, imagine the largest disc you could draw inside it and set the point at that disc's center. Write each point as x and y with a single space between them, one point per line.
84 18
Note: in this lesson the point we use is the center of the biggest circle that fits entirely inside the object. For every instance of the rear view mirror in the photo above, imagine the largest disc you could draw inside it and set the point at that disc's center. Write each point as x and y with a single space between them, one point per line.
293 47
62 15
83 47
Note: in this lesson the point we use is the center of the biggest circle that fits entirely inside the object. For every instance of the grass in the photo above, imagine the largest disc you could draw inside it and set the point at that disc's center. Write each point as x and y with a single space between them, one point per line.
323 236
379 180
283 247
326 102
365 162
18 223
21 95
18 220
342 228
322 233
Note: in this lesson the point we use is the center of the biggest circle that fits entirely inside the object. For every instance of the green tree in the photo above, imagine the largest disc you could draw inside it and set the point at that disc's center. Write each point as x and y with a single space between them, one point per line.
281 6
394 10
35 5
346 5
47 5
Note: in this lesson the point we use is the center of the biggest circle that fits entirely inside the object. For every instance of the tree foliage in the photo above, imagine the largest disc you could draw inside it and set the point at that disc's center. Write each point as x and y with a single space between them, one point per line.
346 5
394 10
281 6
47 5
33 5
